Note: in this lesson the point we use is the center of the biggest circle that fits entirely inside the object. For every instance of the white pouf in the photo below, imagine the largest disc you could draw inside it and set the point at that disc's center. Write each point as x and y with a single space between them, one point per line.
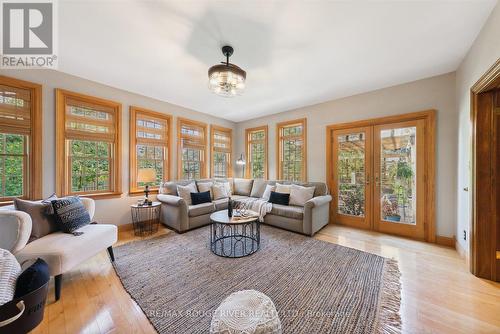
246 312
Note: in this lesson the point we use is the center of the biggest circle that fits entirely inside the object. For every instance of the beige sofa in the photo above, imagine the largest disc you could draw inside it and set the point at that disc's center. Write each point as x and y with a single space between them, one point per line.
309 219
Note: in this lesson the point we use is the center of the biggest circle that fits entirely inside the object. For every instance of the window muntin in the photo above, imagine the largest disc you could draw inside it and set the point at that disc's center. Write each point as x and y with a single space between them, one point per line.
88 138
292 160
256 152
20 139
192 142
221 151
149 147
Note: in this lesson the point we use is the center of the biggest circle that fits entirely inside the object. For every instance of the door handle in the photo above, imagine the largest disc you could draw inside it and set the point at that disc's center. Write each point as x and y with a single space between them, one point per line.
367 179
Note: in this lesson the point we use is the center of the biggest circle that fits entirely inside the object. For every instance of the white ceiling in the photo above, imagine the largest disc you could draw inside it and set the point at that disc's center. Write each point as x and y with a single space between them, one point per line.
296 53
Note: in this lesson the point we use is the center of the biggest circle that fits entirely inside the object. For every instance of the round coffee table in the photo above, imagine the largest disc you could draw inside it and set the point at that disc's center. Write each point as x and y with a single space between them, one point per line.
234 237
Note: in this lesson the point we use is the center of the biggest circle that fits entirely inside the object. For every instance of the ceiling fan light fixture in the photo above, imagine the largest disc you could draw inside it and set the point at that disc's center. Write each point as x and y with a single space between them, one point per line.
226 79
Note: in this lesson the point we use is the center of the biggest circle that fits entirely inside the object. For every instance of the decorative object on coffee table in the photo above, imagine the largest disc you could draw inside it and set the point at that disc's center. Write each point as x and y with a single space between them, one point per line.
235 236
145 218
146 176
246 312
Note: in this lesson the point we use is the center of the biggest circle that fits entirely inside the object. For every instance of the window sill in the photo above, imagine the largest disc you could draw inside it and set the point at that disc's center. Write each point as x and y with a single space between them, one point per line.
99 195
133 193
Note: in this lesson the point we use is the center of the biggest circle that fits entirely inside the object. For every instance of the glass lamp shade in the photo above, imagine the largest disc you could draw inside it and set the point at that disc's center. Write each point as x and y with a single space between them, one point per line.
226 80
146 175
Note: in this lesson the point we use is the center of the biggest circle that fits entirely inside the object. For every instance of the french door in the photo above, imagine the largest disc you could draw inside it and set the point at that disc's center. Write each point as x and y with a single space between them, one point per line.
378 176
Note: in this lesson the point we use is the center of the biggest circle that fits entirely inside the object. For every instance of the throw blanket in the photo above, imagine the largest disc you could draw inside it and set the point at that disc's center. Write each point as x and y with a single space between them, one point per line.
259 205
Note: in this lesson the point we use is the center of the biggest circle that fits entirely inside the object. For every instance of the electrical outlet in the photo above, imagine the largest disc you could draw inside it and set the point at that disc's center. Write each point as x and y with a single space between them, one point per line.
465 235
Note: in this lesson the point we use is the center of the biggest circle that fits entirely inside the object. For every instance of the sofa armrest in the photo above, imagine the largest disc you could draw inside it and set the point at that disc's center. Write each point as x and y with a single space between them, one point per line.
318 201
316 214
15 230
171 200
174 212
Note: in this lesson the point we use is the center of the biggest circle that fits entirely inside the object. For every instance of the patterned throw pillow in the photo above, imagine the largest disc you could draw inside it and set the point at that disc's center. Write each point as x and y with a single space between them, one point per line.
70 214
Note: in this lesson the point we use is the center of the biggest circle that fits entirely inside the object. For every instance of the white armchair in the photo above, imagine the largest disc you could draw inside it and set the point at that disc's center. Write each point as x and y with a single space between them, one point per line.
61 251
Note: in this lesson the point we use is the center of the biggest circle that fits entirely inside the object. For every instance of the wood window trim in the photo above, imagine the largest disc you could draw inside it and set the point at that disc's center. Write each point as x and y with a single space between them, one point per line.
180 122
62 179
429 116
214 128
134 111
281 125
35 176
248 142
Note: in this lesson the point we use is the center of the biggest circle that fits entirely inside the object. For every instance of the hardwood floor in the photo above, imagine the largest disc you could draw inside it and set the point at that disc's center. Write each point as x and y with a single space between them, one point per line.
439 295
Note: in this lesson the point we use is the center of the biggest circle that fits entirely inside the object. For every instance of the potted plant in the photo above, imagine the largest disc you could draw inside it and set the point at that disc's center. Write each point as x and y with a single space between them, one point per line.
390 209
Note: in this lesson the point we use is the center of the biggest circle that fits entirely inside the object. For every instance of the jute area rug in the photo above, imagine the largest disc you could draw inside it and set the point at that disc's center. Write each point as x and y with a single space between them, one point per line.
317 287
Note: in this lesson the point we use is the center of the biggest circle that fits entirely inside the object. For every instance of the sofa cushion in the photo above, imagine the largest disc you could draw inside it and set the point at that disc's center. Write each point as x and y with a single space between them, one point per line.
34 277
294 212
63 251
185 192
267 192
321 188
283 188
242 186
205 186
9 272
70 214
42 217
221 190
220 204
279 198
258 188
299 195
201 209
201 197
170 187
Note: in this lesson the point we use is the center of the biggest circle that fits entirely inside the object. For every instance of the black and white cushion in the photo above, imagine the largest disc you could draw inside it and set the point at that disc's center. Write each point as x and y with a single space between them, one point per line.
70 214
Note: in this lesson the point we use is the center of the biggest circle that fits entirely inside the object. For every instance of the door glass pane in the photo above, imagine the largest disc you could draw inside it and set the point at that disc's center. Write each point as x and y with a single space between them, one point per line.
398 170
351 174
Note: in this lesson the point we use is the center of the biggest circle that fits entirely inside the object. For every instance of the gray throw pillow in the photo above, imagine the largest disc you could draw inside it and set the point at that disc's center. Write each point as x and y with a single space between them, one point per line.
42 217
70 214
258 188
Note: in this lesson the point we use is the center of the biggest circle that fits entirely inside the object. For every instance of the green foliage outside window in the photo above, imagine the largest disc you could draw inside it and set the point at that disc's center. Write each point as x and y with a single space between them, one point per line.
90 165
12 158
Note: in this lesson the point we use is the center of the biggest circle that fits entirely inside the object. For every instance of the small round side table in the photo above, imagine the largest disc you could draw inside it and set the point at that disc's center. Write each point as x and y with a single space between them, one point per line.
145 218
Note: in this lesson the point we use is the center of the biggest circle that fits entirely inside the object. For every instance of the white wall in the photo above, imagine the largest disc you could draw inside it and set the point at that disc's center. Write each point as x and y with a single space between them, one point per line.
484 52
432 93
114 211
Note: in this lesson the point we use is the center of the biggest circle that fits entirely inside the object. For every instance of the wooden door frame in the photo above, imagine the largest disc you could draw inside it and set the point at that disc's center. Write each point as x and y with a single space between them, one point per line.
430 159
489 80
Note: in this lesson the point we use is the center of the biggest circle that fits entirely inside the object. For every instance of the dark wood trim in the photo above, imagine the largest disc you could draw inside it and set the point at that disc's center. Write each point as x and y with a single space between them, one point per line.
482 230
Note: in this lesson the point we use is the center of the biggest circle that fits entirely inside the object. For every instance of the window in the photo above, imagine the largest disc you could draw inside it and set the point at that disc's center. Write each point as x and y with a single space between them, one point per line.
221 141
256 152
292 158
149 146
87 145
20 139
192 146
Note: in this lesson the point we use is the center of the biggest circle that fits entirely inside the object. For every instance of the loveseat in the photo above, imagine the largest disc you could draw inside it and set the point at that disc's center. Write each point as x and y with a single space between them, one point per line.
61 251
177 214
